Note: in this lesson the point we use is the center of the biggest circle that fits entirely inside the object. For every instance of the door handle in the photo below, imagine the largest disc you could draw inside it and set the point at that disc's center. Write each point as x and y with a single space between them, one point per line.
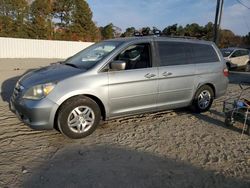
149 75
165 74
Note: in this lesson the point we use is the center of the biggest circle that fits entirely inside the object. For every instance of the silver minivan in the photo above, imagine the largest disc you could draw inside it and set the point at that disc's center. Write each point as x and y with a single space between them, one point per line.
120 77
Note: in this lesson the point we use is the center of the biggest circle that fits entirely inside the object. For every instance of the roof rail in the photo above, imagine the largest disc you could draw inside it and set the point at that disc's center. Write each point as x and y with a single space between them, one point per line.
158 33
183 37
154 32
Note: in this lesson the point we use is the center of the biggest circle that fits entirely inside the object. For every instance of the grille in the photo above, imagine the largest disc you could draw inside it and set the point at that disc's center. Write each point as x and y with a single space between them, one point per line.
17 90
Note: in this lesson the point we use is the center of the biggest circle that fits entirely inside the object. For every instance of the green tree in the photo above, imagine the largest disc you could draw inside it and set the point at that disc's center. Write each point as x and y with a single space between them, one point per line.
82 27
6 21
62 10
13 16
170 30
208 31
129 32
117 31
107 31
180 31
40 19
229 39
194 30
146 31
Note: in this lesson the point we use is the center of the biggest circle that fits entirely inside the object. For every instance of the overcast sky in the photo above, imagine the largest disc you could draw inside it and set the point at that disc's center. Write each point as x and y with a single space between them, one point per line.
161 13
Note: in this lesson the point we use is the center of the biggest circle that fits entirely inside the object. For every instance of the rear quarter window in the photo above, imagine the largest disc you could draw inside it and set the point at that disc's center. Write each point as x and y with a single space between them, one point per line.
183 53
203 53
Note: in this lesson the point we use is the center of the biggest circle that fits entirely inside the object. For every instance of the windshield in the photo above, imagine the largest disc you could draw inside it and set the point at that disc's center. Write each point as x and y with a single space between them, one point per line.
226 52
90 56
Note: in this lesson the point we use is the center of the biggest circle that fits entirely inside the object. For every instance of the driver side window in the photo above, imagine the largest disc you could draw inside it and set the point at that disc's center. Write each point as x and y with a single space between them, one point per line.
136 56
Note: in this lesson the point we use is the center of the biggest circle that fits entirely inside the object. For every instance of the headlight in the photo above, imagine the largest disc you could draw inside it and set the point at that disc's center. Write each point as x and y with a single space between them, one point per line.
39 91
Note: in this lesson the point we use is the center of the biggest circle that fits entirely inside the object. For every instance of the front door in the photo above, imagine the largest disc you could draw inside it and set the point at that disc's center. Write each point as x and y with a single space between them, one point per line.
133 90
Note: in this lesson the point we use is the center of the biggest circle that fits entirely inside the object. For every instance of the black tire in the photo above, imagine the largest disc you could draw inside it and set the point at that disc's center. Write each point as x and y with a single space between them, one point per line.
66 110
228 122
196 104
247 68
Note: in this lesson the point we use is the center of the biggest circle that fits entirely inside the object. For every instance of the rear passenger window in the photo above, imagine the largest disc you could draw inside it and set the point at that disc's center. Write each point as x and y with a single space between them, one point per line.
203 53
182 53
172 53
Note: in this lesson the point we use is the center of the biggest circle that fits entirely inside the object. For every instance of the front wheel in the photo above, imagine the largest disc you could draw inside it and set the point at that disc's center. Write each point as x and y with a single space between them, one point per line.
78 117
203 99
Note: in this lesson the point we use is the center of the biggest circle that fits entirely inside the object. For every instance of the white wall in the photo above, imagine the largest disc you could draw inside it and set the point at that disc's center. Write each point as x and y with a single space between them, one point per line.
32 48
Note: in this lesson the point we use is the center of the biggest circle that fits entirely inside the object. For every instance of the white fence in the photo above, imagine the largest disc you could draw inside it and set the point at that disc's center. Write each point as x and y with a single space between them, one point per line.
30 48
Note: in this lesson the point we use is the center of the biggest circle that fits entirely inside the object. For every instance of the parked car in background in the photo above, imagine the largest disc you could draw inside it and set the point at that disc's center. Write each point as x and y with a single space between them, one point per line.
237 58
121 77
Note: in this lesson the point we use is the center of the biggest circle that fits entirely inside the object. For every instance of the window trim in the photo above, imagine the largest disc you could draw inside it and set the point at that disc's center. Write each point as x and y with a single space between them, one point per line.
153 63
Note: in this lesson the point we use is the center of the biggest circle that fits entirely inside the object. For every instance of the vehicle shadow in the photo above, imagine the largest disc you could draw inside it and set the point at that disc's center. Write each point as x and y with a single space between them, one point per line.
8 86
110 166
217 121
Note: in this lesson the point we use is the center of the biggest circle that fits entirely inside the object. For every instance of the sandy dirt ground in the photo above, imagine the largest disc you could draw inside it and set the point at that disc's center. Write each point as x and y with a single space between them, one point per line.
166 149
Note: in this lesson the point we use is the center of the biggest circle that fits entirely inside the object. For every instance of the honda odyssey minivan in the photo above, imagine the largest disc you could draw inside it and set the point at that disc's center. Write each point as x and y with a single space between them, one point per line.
120 77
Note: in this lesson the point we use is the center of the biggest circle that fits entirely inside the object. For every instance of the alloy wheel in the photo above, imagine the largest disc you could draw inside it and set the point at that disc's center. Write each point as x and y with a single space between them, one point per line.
81 119
204 99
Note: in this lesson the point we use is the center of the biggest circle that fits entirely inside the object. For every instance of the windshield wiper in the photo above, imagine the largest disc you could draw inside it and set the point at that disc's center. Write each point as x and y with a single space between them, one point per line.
72 65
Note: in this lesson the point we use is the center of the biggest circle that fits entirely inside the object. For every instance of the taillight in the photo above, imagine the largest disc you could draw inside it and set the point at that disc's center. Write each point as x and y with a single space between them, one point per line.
225 72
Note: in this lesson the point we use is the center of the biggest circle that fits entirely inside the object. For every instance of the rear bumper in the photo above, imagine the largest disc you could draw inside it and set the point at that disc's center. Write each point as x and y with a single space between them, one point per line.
221 87
36 114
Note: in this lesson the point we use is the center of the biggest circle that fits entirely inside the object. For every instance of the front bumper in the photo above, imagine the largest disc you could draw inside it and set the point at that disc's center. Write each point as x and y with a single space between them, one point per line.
36 114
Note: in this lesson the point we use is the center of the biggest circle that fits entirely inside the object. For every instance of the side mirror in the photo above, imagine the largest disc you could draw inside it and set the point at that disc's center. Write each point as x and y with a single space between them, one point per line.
118 65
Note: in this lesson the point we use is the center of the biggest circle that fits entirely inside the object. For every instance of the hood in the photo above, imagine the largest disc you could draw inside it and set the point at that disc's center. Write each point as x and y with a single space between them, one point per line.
52 73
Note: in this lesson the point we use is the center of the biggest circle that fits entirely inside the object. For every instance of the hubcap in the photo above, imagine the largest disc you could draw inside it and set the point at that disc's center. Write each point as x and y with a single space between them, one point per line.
204 99
81 119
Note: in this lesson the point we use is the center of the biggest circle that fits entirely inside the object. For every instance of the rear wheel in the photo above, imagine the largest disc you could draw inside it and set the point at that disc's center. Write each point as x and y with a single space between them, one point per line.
78 117
203 99
228 122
